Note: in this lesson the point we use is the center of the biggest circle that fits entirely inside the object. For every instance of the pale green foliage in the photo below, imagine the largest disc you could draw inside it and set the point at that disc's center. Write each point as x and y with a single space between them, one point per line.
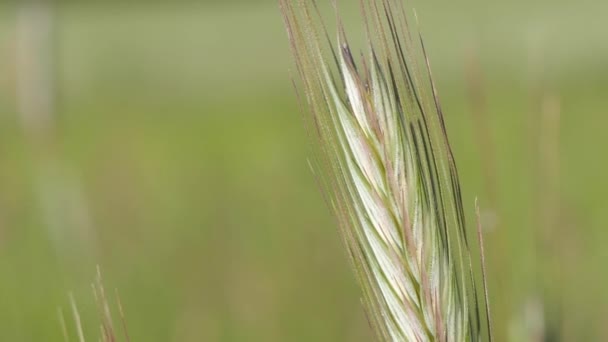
387 169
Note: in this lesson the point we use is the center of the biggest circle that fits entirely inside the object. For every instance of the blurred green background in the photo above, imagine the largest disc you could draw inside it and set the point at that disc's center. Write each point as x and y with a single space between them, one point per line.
162 141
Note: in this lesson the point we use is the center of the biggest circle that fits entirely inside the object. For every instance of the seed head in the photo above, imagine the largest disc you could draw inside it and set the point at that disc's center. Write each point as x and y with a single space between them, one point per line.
384 162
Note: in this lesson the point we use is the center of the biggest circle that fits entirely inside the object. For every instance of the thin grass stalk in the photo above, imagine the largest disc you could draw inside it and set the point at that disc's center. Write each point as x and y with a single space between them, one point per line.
106 322
77 320
382 157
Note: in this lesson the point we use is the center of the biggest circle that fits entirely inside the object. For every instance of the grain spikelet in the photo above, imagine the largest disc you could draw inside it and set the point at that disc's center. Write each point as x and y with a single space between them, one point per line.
383 159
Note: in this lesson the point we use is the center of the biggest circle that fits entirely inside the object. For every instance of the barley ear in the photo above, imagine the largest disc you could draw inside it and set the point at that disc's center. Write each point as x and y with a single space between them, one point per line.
383 160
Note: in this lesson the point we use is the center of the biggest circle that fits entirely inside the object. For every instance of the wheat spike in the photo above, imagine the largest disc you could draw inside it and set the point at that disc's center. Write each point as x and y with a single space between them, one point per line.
388 173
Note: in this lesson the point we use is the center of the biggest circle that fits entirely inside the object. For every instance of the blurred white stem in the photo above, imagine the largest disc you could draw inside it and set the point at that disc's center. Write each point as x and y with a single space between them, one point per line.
35 81
63 204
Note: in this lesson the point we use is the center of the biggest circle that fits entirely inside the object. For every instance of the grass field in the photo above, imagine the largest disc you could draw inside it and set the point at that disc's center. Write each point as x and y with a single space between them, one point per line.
178 163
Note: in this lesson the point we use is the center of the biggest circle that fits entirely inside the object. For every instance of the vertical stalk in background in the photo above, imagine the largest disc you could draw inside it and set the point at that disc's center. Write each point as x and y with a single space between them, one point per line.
35 67
549 232
60 193
483 131
385 164
491 215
